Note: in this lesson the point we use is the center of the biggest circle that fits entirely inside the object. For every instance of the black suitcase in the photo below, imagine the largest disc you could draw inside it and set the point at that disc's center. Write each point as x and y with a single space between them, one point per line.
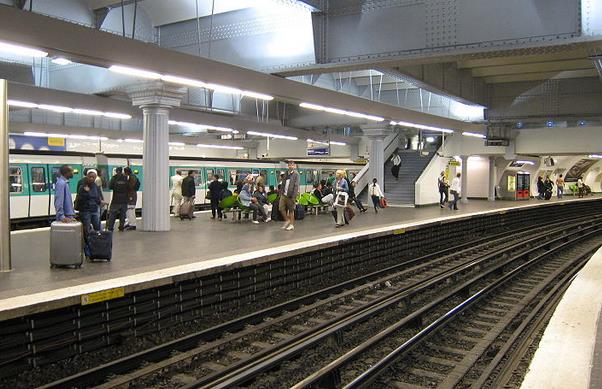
101 245
548 194
299 212
276 215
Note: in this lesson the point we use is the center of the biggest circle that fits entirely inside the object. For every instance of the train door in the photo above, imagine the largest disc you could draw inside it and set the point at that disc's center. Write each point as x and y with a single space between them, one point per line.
19 191
139 172
40 203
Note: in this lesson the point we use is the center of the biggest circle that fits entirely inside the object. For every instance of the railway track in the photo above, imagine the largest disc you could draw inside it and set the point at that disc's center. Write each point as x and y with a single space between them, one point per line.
241 351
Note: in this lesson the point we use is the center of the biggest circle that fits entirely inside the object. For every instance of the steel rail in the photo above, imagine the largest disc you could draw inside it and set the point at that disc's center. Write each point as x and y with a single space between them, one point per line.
245 370
377 369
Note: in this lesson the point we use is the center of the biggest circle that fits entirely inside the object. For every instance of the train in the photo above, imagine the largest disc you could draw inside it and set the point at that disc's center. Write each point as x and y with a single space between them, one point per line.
32 177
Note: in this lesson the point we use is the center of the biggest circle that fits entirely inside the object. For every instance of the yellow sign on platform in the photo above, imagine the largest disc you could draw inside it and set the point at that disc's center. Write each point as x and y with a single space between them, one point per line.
399 231
103 295
57 142
454 163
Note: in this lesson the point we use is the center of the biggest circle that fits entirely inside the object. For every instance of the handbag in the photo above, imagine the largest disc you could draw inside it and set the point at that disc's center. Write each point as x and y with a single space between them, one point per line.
341 199
383 202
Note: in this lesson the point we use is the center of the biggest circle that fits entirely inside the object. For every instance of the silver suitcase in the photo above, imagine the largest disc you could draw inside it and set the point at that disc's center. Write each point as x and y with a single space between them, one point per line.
66 244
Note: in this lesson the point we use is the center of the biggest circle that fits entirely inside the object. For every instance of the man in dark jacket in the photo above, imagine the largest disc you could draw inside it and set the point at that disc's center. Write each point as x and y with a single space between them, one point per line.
119 201
89 197
288 197
133 187
189 189
215 188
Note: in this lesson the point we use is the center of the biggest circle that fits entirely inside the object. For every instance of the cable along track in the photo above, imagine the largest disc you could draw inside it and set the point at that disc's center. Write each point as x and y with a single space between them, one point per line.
241 351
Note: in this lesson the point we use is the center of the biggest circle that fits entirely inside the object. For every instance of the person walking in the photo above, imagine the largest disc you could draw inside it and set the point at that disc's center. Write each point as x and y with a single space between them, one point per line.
396 160
89 199
63 201
133 188
189 191
375 194
290 190
353 198
443 187
560 187
119 201
580 187
341 187
176 191
215 187
455 189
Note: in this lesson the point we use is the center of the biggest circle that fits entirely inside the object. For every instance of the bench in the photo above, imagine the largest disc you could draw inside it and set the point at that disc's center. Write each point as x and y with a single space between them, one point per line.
318 208
237 213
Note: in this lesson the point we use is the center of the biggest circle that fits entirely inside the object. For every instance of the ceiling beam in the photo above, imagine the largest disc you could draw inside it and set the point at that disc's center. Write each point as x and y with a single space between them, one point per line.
99 4
522 59
502 79
73 41
573 64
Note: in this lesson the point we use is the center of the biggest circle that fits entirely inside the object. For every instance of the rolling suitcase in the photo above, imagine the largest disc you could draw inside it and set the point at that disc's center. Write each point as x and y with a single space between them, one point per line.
66 244
299 212
186 210
101 245
349 214
276 216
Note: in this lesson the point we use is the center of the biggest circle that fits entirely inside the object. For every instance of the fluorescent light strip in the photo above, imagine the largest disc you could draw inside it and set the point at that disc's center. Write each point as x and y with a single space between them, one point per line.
338 111
268 135
61 61
129 140
60 109
22 50
474 134
526 163
220 147
318 142
177 144
134 72
422 127
66 136
338 143
202 126
184 81
596 156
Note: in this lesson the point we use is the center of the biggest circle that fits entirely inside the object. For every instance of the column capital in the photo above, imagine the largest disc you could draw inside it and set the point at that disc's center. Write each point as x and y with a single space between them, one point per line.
376 131
156 93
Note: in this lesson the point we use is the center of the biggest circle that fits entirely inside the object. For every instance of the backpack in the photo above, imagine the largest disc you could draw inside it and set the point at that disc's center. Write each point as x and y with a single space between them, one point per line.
120 185
224 194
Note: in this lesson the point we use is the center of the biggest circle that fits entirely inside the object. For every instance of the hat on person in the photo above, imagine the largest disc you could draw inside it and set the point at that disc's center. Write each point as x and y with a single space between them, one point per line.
91 171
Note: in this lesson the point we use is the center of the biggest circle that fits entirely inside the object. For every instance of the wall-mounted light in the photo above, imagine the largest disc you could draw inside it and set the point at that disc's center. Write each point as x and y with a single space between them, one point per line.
275 136
60 61
422 127
474 134
595 156
550 123
21 50
61 109
338 111
430 139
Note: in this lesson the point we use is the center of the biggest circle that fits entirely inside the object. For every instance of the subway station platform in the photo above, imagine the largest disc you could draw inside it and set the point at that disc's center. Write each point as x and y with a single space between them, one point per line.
144 260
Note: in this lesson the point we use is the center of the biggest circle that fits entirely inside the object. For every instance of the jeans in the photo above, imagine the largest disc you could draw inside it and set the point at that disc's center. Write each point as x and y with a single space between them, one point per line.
443 197
131 215
340 216
257 207
215 209
117 210
454 203
91 222
559 191
358 203
376 203
176 200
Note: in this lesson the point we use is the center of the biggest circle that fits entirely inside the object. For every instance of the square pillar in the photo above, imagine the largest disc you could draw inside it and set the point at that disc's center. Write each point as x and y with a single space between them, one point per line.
376 167
464 188
492 179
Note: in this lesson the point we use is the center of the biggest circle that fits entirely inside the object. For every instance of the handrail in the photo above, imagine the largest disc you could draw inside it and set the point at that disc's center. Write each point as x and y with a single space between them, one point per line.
361 179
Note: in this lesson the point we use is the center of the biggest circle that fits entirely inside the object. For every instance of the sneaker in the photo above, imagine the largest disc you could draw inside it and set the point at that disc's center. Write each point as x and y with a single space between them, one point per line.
130 228
290 227
269 219
285 226
255 222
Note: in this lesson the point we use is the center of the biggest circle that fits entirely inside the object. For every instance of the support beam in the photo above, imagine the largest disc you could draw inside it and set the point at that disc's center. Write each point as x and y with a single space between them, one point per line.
377 137
5 261
99 16
464 185
492 179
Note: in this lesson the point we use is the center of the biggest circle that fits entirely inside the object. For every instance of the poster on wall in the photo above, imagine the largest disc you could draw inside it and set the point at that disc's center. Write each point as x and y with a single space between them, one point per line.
318 149
579 169
22 142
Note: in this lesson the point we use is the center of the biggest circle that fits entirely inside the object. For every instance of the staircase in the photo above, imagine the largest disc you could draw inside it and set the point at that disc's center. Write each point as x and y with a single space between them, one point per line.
401 191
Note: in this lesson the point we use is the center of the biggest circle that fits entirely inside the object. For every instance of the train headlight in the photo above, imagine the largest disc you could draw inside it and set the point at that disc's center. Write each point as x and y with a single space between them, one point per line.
136 171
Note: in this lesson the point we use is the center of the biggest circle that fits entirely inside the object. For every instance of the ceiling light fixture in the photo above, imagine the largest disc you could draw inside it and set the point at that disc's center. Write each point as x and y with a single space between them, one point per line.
21 104
596 156
55 108
61 109
66 136
526 163
220 147
177 144
268 135
90 112
214 87
430 139
61 61
115 115
333 143
130 140
338 111
474 134
22 50
317 142
183 81
134 72
202 126
422 127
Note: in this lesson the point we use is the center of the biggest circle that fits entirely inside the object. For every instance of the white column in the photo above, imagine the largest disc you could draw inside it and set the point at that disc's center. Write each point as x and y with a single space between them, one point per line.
492 179
155 99
464 188
377 153
155 199
5 260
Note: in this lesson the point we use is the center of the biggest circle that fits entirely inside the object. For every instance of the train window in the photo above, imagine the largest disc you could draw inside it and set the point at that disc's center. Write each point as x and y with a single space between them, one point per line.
15 178
209 174
242 175
220 173
232 178
38 179
55 176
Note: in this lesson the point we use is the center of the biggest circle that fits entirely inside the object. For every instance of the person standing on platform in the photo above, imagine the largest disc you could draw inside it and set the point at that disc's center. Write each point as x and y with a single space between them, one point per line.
547 188
540 188
396 160
341 186
189 190
455 190
176 191
215 188
89 199
580 187
353 198
133 188
560 187
443 187
119 202
63 201
375 194
290 190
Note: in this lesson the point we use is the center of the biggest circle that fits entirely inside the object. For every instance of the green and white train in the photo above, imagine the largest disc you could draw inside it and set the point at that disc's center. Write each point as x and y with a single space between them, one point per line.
33 175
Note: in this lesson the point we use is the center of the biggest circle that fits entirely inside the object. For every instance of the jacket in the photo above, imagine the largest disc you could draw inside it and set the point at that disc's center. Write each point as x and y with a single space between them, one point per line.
215 187
188 187
374 190
89 199
456 185
245 196
341 185
133 187
63 202
261 199
292 189
442 184
176 184
120 186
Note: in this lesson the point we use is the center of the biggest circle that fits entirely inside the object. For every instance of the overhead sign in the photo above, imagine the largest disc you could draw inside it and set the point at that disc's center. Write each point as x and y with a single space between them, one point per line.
317 149
22 142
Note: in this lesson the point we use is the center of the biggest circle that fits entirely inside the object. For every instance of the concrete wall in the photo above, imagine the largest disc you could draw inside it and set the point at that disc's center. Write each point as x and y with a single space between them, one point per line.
573 140
426 187
478 177
280 148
